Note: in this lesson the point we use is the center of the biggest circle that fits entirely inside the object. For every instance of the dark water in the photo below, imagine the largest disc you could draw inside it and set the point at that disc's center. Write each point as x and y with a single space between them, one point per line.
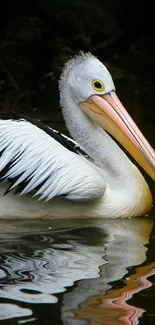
77 272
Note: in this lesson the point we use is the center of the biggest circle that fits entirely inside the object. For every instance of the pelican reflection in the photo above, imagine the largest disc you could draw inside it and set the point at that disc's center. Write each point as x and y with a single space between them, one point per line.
81 264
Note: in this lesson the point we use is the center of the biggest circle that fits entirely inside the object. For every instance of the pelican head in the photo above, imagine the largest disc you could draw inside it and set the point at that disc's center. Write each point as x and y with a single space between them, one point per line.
91 87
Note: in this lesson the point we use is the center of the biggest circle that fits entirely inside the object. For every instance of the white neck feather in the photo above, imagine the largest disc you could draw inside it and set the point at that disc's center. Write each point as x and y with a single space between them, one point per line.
96 142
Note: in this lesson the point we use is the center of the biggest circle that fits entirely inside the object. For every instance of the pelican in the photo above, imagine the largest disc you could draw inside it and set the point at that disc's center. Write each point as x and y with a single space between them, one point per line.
45 174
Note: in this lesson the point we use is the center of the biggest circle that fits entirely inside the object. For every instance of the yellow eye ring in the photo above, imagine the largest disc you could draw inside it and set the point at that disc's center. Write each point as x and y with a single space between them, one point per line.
98 85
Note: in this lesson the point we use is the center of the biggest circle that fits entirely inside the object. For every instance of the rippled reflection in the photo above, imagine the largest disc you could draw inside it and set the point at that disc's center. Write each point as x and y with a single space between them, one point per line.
73 272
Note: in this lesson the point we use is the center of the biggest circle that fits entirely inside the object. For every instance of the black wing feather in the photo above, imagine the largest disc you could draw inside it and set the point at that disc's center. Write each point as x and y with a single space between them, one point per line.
64 141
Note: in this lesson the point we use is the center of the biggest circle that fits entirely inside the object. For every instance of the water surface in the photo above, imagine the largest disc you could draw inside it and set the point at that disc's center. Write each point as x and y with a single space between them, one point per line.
77 272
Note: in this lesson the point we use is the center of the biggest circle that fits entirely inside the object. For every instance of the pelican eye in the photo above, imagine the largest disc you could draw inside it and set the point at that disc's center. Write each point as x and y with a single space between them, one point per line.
98 85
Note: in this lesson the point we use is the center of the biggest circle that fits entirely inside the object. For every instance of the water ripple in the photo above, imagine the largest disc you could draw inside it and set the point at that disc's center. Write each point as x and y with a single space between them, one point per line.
68 267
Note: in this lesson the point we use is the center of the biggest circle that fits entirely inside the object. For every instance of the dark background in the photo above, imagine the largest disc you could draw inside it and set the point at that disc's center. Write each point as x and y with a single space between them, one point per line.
38 36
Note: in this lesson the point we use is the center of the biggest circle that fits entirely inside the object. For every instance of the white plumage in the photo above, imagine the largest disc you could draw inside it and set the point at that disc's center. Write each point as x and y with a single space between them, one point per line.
44 174
39 161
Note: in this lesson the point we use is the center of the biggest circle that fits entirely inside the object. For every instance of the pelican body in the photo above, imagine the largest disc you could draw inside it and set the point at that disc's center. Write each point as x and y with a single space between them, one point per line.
45 174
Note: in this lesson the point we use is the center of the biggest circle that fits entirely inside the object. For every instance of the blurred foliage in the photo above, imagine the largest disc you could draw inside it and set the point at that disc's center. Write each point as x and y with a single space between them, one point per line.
37 37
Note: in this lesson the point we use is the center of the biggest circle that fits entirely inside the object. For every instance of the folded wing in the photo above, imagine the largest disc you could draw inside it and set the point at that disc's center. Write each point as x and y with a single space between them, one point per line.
37 160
